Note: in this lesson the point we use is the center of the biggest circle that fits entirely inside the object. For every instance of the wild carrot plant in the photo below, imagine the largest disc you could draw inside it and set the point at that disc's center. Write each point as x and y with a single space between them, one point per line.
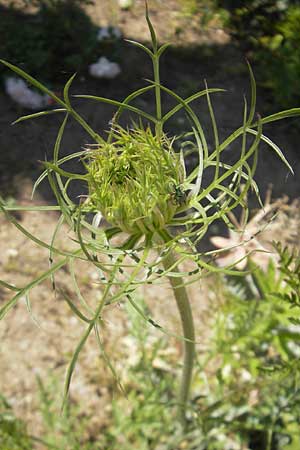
144 215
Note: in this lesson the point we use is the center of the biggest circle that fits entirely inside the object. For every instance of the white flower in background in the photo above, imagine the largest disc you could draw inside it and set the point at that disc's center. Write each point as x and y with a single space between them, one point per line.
116 32
125 4
238 246
246 240
226 371
20 93
245 375
103 33
104 68
108 33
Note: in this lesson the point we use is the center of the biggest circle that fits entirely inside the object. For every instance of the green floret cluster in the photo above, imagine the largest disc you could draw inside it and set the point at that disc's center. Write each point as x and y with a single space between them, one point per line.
132 180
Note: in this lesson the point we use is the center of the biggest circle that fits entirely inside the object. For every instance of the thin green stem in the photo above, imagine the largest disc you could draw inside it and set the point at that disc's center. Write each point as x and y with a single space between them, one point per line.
158 126
187 322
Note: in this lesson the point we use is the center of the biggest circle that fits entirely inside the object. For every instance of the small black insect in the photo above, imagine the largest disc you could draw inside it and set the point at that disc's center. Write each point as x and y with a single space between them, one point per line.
179 196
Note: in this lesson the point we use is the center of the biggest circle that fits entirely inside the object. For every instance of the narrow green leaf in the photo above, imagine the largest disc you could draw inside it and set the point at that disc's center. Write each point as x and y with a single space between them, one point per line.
29 309
56 230
195 190
44 89
73 362
23 292
215 131
76 287
59 138
274 147
189 112
143 47
293 112
39 114
64 173
11 287
73 307
162 49
33 81
126 285
127 100
59 162
253 95
66 210
35 239
66 90
84 247
121 104
188 100
156 325
108 360
31 208
151 29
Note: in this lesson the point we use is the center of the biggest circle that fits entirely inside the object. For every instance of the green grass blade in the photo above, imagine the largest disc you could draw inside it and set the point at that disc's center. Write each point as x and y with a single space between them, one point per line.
61 186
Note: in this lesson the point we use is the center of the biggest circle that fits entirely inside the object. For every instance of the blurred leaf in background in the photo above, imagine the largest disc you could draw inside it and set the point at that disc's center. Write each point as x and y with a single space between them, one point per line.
13 434
270 32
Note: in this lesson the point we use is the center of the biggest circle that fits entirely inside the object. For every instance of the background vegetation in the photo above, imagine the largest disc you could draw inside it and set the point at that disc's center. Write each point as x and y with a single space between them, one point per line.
50 38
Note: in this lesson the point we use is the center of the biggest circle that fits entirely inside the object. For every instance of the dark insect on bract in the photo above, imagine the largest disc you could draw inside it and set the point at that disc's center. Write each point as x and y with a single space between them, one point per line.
179 196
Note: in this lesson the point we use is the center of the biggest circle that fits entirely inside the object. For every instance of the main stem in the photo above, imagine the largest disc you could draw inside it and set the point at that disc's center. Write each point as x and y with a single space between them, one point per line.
155 62
187 323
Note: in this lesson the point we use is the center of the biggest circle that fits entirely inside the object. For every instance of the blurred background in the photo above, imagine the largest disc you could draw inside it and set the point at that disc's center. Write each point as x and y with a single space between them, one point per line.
210 40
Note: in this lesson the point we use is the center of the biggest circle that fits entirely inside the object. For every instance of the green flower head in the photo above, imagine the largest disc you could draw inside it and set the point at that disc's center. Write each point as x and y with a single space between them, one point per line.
132 180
